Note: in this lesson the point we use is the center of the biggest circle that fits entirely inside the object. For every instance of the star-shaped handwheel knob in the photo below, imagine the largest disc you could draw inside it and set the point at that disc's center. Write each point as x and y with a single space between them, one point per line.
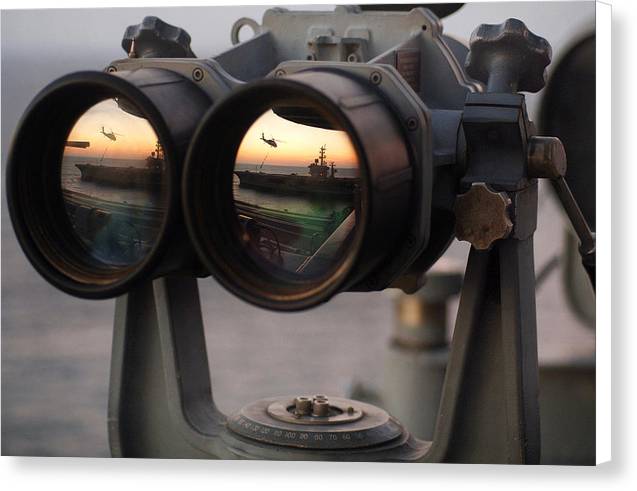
154 38
508 57
482 216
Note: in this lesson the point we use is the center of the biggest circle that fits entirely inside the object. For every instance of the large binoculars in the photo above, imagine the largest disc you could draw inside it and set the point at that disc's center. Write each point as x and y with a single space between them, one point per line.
288 171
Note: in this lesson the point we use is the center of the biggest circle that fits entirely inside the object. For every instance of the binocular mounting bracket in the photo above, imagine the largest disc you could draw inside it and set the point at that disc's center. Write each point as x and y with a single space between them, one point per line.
161 401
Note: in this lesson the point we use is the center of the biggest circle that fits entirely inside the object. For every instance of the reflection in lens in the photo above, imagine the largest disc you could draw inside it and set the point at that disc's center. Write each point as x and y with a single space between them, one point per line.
296 191
112 178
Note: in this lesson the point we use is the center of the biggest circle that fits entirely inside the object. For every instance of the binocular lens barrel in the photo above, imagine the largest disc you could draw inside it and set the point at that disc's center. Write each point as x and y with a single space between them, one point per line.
292 189
296 188
93 178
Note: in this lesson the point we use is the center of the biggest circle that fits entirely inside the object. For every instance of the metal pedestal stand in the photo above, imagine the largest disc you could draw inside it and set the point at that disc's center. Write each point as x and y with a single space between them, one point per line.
161 402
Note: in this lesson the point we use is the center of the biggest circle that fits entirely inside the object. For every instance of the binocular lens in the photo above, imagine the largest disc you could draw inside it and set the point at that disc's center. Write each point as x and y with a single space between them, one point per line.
296 188
112 178
92 178
296 191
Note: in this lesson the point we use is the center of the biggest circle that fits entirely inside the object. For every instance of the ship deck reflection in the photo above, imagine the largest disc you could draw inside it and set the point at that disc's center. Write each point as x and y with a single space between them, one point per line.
117 232
294 240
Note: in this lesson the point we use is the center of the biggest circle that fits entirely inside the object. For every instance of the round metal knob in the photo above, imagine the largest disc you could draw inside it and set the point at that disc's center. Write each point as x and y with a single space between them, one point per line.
508 57
153 38
482 216
546 157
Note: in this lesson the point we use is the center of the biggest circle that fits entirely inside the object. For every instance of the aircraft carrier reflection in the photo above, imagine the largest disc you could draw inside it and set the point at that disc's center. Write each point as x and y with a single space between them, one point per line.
149 176
321 179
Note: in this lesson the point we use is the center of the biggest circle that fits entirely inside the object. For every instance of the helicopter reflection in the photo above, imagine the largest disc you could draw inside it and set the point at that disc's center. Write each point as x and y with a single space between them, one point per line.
110 134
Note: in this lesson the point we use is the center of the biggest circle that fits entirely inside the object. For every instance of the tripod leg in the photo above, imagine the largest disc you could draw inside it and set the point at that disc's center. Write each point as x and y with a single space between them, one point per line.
160 403
519 331
489 410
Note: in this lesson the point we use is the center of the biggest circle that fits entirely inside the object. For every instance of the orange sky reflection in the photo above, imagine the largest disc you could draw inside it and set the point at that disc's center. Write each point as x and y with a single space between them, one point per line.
300 143
137 141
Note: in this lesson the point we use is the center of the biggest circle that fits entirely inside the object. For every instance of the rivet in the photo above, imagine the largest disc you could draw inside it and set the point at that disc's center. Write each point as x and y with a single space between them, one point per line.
376 78
197 74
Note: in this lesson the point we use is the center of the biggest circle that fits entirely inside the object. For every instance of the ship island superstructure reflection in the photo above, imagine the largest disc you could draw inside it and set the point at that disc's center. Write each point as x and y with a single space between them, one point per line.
296 197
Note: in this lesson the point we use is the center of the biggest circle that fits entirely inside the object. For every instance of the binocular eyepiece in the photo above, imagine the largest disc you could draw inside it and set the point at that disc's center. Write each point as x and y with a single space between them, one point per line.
308 178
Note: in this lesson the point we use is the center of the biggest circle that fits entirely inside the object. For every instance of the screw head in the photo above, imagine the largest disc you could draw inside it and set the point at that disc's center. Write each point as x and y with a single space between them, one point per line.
376 78
279 73
111 69
197 74
412 124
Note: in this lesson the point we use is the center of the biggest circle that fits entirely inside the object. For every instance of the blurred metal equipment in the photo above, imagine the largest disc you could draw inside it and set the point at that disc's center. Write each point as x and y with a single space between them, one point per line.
440 10
568 113
417 358
415 363
567 396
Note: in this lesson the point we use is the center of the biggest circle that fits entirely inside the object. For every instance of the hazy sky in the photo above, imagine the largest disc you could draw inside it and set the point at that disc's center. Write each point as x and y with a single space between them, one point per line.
137 138
300 143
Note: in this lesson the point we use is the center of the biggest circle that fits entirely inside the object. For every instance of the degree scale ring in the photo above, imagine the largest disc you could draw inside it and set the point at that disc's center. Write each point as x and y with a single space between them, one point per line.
350 424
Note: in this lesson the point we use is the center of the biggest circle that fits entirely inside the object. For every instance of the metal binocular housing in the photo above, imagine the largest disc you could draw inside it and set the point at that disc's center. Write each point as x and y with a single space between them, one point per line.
403 120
